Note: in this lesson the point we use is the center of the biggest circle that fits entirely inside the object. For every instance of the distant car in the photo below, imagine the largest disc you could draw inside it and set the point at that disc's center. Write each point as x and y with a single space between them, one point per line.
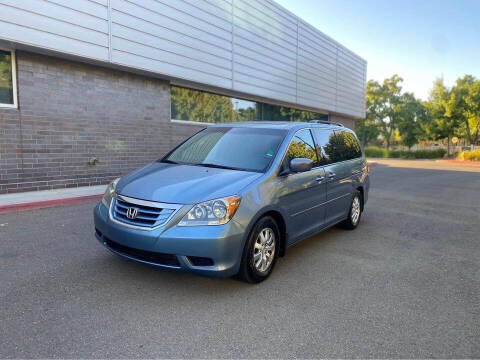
233 197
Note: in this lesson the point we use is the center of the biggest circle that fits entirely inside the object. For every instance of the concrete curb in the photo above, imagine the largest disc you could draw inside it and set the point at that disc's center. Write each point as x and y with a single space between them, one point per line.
459 162
49 203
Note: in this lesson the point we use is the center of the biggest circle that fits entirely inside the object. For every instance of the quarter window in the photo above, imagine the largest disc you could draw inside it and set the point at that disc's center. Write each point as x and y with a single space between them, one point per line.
7 79
302 146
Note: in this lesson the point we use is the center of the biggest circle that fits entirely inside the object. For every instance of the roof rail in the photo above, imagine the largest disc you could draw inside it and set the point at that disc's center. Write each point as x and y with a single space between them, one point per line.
315 121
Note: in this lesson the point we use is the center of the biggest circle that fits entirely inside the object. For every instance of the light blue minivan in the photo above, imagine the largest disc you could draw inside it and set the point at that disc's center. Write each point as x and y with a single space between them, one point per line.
234 197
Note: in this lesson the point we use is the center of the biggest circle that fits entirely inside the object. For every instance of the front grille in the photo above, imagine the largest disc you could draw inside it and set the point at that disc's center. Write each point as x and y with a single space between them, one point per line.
149 256
147 216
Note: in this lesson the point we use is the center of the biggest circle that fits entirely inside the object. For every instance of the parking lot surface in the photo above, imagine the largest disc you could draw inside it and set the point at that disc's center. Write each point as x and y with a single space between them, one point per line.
406 283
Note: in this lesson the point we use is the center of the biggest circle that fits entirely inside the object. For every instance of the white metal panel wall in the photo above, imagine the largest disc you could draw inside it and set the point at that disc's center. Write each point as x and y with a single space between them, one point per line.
317 67
77 27
351 78
264 50
254 47
189 40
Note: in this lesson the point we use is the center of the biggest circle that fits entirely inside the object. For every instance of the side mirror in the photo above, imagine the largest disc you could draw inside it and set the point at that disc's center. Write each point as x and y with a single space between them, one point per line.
298 165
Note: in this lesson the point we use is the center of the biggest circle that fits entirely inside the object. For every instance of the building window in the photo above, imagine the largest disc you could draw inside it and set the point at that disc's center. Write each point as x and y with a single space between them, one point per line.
8 93
205 107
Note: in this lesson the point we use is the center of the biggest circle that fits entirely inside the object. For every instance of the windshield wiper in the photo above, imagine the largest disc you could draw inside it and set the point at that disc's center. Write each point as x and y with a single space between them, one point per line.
220 166
168 161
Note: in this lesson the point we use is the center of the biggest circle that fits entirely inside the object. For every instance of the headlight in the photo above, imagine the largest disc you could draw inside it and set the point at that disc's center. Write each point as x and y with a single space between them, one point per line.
213 212
108 196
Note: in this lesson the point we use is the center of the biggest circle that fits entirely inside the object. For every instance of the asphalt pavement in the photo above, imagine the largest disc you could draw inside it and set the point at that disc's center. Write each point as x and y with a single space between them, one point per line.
405 283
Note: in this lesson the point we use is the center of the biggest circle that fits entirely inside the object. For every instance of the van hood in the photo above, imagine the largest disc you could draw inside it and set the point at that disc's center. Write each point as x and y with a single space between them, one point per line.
183 184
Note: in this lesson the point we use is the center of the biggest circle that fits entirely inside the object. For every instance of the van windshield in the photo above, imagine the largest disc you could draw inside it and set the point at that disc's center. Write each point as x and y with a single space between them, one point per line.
246 149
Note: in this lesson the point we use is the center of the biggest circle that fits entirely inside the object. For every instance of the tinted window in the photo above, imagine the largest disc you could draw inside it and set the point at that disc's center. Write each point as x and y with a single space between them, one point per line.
302 146
324 137
238 148
348 145
337 146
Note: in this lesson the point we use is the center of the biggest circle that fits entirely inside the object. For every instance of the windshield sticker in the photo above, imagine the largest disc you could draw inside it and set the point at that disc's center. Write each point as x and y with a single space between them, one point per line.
270 153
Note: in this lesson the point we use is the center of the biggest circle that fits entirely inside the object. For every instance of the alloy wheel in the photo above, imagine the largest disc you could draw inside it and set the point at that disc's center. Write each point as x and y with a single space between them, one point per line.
264 250
355 213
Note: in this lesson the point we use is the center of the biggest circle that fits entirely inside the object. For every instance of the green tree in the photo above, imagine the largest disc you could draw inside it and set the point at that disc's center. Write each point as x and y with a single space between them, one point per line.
367 131
411 116
441 123
383 103
464 105
473 113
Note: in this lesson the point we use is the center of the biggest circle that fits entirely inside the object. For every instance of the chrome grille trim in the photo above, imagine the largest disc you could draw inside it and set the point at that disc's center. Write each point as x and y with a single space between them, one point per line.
148 219
148 203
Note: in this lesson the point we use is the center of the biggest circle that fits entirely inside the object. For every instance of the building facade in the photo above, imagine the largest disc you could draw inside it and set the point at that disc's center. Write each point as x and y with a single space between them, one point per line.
91 89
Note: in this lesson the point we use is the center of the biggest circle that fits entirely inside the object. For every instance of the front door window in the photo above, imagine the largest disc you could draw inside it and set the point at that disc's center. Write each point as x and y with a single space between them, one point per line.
302 146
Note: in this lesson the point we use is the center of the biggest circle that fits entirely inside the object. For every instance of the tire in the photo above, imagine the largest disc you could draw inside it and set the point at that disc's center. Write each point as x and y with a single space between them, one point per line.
354 213
256 265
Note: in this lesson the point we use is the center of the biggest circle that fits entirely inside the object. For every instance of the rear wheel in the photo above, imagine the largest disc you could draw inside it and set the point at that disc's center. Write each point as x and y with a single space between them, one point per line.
261 251
355 212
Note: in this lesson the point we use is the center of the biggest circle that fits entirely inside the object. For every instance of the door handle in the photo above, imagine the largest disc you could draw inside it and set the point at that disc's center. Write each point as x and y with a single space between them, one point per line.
320 178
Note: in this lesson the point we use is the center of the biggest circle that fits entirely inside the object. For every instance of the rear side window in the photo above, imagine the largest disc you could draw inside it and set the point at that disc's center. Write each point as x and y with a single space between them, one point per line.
346 146
337 146
325 140
302 146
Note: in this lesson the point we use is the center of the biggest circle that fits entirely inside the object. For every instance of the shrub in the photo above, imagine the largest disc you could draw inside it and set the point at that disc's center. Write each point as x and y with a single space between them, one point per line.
376 152
471 155
402 154
430 154
394 154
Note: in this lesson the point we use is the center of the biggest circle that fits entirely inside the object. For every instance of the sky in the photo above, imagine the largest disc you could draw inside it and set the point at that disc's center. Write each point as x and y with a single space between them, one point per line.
419 40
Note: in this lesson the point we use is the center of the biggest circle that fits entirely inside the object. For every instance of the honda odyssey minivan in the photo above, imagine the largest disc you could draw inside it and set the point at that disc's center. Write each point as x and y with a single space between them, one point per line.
234 197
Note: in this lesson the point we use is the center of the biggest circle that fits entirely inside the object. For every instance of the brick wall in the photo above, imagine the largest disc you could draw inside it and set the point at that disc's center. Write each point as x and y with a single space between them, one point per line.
70 112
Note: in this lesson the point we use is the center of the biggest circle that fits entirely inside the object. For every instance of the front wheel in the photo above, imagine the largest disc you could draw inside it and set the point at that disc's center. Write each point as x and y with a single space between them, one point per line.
261 251
355 212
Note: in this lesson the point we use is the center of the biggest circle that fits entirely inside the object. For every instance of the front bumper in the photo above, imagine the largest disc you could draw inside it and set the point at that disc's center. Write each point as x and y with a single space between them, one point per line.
177 247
